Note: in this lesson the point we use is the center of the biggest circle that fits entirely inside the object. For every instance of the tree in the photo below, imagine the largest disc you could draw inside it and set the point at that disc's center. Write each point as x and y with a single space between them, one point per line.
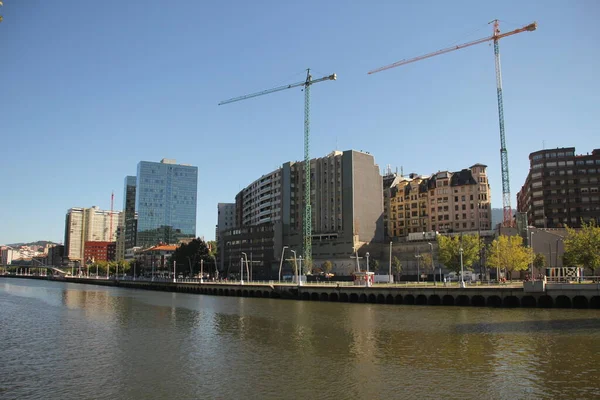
327 266
397 267
539 261
582 247
307 266
188 257
449 251
509 254
374 265
427 262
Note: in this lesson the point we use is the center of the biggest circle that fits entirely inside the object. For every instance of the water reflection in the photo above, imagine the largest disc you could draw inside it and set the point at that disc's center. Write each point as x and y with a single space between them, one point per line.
113 343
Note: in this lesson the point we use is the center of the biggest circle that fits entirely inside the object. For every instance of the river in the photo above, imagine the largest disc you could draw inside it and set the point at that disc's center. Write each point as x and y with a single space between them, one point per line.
72 341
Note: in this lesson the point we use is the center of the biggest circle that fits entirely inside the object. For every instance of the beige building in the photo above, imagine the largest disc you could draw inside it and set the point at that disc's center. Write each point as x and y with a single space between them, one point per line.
444 202
88 225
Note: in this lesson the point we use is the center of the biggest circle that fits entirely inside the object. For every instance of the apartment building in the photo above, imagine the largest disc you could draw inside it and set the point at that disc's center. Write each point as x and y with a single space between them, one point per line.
86 225
99 251
561 188
225 220
346 210
445 202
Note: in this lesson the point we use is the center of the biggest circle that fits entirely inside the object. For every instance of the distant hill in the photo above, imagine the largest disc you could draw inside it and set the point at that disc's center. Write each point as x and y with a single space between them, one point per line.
41 243
497 216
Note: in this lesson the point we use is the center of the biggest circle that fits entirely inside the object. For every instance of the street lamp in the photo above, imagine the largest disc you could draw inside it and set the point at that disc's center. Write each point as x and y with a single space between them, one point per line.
367 261
299 270
241 270
295 262
432 264
281 261
418 257
462 271
246 257
390 270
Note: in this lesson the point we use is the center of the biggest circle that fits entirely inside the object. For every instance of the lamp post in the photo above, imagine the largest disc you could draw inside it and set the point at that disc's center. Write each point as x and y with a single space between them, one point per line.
418 257
174 271
299 270
281 261
241 270
432 263
462 271
246 257
152 270
390 270
367 261
295 261
201 271
556 255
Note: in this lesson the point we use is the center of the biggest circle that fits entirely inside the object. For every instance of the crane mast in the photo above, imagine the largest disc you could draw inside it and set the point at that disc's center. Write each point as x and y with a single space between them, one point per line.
306 84
506 202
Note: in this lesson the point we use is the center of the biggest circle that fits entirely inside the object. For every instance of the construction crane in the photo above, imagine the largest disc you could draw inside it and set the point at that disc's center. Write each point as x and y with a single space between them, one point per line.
307 83
507 220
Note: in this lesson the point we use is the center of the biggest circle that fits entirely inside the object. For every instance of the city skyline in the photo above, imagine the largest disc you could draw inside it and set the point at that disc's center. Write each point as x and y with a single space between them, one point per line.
111 104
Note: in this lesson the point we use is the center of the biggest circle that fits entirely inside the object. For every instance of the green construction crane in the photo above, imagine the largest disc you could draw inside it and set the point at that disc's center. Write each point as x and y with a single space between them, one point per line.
307 223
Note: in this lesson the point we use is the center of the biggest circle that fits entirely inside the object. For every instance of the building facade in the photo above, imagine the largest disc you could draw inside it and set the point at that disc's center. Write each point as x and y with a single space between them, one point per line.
7 254
99 251
445 202
226 219
561 189
346 206
88 224
129 215
166 199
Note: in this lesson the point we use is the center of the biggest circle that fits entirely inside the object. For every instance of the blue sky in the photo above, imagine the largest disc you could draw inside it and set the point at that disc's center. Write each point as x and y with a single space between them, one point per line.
89 89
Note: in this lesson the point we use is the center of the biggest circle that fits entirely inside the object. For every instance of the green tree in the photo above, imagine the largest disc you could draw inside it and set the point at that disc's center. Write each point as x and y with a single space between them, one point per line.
374 265
427 262
509 254
449 251
397 267
327 266
188 257
539 261
582 247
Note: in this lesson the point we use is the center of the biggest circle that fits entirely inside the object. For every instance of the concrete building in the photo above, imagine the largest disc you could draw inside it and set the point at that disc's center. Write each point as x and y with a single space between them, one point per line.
226 218
55 255
347 212
85 225
561 189
445 202
165 201
7 255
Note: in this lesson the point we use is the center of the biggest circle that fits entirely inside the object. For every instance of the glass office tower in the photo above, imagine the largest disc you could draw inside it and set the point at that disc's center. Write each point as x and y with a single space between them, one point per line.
166 197
130 223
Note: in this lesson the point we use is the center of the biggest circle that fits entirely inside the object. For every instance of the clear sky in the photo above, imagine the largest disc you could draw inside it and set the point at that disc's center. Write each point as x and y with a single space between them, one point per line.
90 88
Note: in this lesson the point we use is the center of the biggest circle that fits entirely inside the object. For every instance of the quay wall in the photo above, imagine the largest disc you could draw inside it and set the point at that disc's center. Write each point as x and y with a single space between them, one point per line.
543 296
